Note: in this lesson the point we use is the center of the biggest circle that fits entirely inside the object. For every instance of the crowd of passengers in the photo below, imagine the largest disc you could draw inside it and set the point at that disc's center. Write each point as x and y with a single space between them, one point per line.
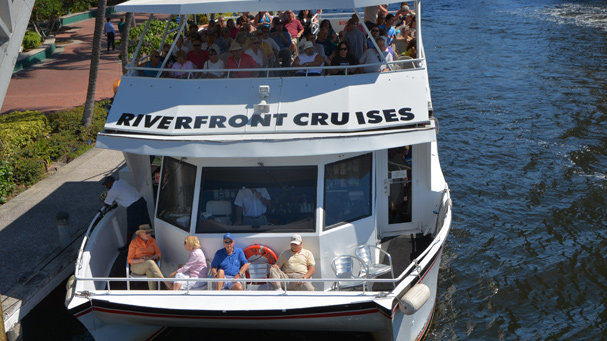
288 40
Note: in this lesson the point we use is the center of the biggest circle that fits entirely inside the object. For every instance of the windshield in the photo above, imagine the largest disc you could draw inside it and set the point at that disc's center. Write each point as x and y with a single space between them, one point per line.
256 199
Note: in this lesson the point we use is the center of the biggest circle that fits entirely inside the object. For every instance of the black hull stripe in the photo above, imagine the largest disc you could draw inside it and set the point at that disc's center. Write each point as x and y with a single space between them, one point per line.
318 312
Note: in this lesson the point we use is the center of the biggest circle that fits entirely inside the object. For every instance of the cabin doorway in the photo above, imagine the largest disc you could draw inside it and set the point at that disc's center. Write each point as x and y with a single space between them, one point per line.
395 167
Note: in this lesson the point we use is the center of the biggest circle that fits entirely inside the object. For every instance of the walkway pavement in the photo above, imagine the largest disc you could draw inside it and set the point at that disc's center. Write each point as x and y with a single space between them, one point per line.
32 260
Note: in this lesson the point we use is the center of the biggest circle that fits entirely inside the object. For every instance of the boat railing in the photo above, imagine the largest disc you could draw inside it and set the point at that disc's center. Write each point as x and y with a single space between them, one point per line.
365 282
393 66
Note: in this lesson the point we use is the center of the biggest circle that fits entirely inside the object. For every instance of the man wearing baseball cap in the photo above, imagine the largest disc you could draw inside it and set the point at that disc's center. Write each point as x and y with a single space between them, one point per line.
229 262
295 262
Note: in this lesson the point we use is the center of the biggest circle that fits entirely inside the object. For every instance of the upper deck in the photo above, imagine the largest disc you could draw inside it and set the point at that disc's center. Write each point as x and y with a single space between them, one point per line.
275 105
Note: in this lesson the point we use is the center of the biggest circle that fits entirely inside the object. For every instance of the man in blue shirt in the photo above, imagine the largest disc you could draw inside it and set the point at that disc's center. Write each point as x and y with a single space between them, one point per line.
229 262
389 29
110 33
283 39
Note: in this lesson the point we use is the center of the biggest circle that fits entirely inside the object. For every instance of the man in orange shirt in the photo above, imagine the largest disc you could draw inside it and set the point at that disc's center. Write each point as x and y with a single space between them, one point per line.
143 254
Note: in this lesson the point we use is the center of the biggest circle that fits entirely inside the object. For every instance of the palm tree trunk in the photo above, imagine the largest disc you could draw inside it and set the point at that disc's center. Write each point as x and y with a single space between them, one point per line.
89 105
124 41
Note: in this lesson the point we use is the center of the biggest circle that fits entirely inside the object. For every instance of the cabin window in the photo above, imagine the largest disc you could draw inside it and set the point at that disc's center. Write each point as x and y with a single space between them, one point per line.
257 199
399 175
176 192
347 190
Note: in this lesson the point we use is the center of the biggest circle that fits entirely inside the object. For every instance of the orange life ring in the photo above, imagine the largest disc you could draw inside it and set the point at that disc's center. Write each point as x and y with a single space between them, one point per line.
256 252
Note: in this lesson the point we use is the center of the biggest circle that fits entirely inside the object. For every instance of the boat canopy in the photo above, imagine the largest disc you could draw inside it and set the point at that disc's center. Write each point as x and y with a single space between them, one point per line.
221 6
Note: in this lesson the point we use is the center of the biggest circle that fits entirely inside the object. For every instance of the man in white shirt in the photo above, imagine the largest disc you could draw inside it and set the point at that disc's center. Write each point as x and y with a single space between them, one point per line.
127 196
110 33
251 204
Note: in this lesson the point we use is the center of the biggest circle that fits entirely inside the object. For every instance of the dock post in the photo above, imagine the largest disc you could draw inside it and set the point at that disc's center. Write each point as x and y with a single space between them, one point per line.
62 218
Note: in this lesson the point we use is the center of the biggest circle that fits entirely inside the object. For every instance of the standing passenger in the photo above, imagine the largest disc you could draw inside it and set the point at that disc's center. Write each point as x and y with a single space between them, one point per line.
127 196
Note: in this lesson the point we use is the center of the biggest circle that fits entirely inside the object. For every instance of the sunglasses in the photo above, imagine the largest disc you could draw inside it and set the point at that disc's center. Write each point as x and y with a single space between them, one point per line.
197 45
343 49
374 30
146 232
226 242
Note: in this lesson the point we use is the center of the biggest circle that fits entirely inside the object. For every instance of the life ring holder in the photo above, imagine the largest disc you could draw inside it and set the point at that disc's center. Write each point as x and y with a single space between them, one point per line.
256 252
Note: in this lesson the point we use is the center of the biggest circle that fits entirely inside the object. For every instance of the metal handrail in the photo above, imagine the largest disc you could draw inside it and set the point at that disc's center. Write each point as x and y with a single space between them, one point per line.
281 69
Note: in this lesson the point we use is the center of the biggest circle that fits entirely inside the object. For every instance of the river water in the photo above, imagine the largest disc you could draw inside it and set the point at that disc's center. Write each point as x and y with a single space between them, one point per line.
520 89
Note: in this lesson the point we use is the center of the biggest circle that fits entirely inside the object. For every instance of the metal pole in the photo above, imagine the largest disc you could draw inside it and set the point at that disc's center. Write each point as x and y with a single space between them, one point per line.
147 24
374 42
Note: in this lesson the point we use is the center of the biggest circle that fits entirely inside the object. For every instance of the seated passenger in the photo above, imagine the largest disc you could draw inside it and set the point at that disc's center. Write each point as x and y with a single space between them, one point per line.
179 45
214 63
295 263
372 56
224 39
143 254
252 203
343 58
211 42
229 262
165 52
182 64
309 58
412 48
198 56
195 266
262 19
265 37
256 53
324 40
240 60
153 62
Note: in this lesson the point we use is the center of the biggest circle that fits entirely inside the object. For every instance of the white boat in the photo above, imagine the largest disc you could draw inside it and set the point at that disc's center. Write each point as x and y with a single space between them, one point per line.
348 161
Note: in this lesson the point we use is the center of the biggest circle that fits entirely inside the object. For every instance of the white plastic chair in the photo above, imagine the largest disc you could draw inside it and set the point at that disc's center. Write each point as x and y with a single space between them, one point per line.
369 255
129 274
347 266
259 271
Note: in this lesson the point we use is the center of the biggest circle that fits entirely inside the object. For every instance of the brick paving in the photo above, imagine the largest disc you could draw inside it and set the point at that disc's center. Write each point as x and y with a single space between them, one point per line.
61 82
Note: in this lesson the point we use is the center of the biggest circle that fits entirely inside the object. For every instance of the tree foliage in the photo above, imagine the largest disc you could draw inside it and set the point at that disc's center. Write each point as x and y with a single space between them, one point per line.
153 36
48 11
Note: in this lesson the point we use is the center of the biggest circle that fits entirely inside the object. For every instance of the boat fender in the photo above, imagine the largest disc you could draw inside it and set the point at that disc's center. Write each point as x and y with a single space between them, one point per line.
255 253
443 214
69 286
414 299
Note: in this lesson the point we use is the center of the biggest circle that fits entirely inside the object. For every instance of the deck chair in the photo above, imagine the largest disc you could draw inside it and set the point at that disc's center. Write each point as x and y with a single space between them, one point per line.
347 266
369 255
221 210
259 271
129 274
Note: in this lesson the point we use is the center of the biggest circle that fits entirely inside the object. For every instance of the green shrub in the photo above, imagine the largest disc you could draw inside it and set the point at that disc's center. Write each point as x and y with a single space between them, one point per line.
27 171
19 129
31 40
30 140
6 180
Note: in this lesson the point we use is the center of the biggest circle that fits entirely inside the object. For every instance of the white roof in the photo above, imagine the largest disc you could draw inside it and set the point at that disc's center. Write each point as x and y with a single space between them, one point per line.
221 6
